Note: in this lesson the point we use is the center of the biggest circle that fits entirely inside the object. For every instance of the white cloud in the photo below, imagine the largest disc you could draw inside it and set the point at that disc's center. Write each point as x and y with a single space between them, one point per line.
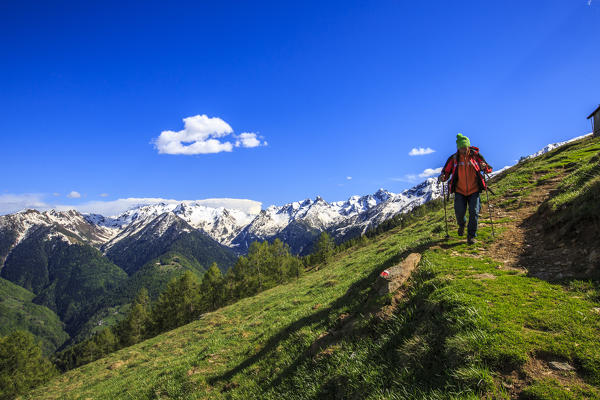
103 194
421 151
349 178
430 172
74 195
202 135
55 194
10 203
249 139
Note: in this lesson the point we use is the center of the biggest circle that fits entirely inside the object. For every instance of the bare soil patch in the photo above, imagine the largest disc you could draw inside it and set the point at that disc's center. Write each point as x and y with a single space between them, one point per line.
528 245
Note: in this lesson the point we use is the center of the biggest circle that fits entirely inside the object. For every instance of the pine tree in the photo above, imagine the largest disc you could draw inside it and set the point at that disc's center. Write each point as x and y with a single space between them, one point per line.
324 249
265 266
22 365
244 281
89 351
212 288
178 304
135 326
106 341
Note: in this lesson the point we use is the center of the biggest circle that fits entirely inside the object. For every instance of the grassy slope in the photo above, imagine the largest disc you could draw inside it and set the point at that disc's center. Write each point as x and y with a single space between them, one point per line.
17 311
465 327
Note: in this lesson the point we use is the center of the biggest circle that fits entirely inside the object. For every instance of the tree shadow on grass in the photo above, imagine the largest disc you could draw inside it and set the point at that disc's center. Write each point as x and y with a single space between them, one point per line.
352 302
411 355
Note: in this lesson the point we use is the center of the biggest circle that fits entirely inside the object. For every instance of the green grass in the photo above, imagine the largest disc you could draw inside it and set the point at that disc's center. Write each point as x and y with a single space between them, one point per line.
551 389
577 196
464 328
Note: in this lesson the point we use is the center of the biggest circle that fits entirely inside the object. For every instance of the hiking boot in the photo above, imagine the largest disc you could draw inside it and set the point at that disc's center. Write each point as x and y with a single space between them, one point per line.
471 240
461 230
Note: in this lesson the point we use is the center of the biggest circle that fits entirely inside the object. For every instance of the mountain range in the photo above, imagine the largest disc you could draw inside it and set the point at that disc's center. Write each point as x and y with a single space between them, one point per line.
78 266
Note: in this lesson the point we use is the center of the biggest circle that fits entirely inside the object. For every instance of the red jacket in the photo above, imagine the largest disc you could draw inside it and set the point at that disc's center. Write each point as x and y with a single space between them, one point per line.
477 162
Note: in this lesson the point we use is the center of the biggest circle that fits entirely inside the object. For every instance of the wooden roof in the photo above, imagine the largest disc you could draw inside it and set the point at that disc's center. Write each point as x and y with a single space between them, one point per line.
593 112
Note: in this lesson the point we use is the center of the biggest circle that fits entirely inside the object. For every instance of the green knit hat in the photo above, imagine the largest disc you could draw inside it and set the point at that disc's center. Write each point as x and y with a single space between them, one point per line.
462 141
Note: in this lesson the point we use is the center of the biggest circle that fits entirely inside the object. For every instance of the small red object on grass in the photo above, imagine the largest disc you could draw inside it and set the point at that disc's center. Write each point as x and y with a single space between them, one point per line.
385 273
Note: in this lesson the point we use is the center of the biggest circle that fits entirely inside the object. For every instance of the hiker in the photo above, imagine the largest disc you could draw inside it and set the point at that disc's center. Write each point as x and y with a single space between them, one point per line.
467 167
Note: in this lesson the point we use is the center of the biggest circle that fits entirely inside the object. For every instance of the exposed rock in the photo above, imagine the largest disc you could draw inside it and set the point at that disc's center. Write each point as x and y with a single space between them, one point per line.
560 366
116 365
392 278
484 276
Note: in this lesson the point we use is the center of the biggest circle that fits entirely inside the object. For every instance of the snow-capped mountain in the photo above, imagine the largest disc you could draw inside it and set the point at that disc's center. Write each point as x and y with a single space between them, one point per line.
145 239
34 244
219 223
396 204
71 226
298 223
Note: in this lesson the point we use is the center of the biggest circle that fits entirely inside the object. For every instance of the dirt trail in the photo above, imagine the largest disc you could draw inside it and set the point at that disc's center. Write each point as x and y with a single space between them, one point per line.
513 241
527 245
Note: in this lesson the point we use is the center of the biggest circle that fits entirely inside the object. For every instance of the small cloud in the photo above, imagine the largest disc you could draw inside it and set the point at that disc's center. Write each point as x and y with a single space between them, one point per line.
55 194
349 178
203 135
248 139
74 195
430 172
103 194
420 151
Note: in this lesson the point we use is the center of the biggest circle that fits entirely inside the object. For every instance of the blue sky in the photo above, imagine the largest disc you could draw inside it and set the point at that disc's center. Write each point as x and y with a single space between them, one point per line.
323 91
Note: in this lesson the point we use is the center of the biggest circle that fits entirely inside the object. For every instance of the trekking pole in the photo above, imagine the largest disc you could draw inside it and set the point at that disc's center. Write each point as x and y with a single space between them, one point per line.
489 206
445 215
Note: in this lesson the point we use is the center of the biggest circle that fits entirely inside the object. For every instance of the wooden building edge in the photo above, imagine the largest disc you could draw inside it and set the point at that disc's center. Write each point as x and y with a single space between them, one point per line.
595 116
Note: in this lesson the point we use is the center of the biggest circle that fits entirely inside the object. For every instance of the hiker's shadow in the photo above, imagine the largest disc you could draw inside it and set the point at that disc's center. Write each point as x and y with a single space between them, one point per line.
445 245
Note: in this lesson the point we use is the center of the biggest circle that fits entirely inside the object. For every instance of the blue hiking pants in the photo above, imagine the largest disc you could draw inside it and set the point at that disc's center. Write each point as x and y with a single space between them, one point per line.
460 209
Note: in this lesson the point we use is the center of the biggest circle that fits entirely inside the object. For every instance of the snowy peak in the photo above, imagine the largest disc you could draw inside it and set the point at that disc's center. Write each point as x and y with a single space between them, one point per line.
382 195
312 215
148 229
71 222
428 189
219 223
